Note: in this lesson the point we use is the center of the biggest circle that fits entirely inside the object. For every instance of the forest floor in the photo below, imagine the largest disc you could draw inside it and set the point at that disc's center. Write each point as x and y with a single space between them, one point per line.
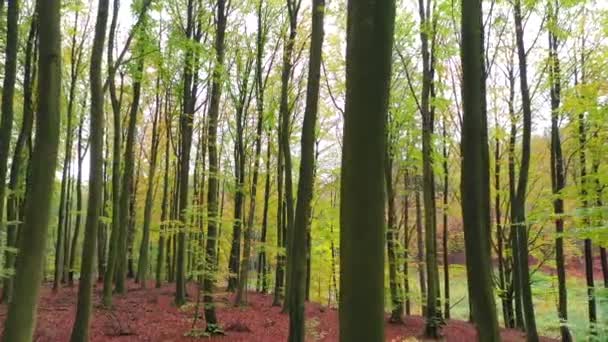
149 315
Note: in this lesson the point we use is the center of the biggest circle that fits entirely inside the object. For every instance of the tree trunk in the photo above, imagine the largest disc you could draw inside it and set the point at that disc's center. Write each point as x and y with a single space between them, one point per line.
262 284
444 212
142 267
406 243
420 255
164 231
81 155
64 207
297 331
80 333
8 92
17 165
558 181
475 176
21 314
212 197
369 47
293 6
521 227
391 237
127 180
117 143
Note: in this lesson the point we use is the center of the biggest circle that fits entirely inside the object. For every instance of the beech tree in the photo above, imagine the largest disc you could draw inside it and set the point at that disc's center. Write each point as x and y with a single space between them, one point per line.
21 315
369 47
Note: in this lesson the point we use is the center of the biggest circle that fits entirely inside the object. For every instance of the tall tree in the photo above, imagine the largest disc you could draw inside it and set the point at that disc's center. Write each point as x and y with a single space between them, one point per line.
109 277
297 332
391 228
428 23
557 167
64 201
241 102
293 8
186 123
476 175
142 268
80 332
8 93
212 190
17 165
584 193
261 78
519 207
21 315
370 27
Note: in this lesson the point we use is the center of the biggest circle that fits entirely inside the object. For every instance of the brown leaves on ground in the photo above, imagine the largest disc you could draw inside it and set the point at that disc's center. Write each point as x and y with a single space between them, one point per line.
149 315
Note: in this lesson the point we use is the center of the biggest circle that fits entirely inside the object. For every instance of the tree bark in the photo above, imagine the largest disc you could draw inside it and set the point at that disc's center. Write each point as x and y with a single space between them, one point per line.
21 315
475 176
80 332
520 225
297 331
370 27
17 165
212 194
558 181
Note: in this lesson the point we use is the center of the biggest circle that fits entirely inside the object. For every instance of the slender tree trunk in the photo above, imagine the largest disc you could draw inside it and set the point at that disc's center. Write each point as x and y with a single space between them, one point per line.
8 93
521 227
212 197
297 331
80 153
80 333
117 143
17 165
515 292
391 233
164 233
241 105
127 180
280 268
142 267
186 123
420 255
557 174
406 243
369 47
476 176
444 211
64 202
262 262
21 314
293 7
433 315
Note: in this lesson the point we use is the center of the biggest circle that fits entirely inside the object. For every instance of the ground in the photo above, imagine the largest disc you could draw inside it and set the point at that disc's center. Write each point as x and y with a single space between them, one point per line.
149 315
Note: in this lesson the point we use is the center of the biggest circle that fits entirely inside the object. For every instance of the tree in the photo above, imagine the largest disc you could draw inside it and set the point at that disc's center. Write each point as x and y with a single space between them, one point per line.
186 122
557 168
297 332
293 7
142 268
80 332
428 23
8 93
127 177
370 29
475 175
17 165
212 191
21 315
519 205
391 228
